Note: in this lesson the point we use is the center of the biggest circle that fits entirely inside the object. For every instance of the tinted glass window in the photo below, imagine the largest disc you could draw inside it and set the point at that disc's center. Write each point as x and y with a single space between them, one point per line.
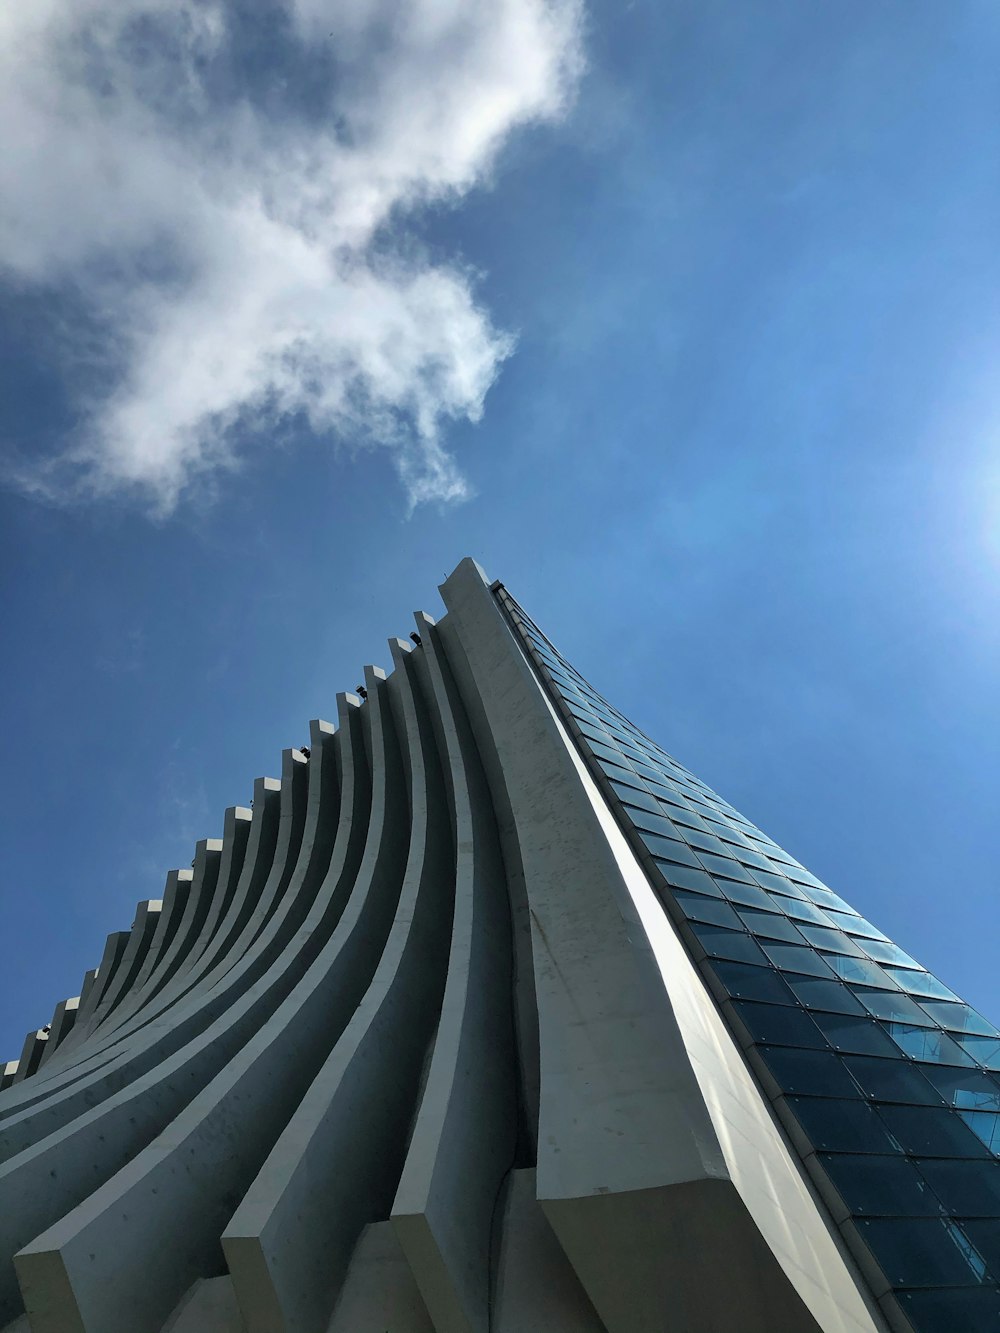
688 877
752 983
967 1309
986 1126
733 944
892 1080
842 1126
930 1044
861 971
770 925
642 819
921 1252
747 895
967 1189
793 958
855 925
834 941
985 1050
816 993
818 1073
880 1186
711 910
779 1025
959 1018
722 865
670 851
921 983
986 1238
860 1035
892 1005
928 1132
884 952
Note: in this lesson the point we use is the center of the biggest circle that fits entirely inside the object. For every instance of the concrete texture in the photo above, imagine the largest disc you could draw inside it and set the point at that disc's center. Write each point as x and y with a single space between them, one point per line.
413 1046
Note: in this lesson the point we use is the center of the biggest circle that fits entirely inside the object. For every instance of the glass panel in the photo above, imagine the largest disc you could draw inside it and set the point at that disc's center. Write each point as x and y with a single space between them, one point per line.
803 911
880 1186
670 851
711 910
954 1310
959 1018
926 1131
986 1126
704 841
919 1252
687 877
930 1044
827 899
642 819
734 944
778 883
841 1126
778 1025
834 941
855 925
884 952
820 1073
921 983
752 983
892 1005
986 1238
861 971
892 1081
860 1035
794 958
723 865
817 993
967 1189
631 795
770 925
985 1050
747 894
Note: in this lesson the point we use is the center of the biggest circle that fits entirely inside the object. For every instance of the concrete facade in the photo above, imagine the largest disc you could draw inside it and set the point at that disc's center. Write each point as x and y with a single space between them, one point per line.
420 1043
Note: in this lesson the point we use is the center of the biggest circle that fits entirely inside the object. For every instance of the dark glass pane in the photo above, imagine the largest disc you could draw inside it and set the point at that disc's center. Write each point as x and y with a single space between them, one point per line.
922 1252
842 1126
752 983
968 1089
748 895
779 1025
817 993
808 1073
921 983
704 842
828 900
614 758
714 911
893 1006
687 877
967 1189
733 944
954 1310
670 851
861 971
860 1035
926 1131
986 1126
986 1238
880 1186
959 1018
834 941
642 819
892 1080
793 958
770 925
723 865
928 1044
632 795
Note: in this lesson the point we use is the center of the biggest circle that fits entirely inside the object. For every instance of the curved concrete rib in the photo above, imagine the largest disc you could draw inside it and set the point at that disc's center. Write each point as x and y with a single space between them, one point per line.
83 1271
63 1019
48 1176
337 1162
466 1129
31 1054
379 1292
175 895
147 916
650 1123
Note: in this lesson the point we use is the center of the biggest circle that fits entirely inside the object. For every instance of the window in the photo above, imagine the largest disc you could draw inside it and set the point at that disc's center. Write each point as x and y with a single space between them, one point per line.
687 877
959 1018
892 1005
842 1126
669 850
713 911
820 993
796 958
732 944
863 1036
752 983
923 1252
926 1131
967 1189
819 1073
860 970
930 1044
770 925
778 1025
921 983
892 1081
880 1186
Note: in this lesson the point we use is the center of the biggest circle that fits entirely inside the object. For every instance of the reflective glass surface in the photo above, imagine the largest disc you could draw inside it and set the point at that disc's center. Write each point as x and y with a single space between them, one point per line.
892 1080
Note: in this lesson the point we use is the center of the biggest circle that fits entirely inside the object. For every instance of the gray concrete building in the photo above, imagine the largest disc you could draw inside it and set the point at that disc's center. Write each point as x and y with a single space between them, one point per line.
489 1017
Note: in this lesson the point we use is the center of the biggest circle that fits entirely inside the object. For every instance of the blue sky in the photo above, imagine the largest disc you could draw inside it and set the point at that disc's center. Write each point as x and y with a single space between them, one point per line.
721 279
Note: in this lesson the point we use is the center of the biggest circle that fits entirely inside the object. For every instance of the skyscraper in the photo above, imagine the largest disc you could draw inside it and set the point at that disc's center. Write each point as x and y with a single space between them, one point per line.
491 1018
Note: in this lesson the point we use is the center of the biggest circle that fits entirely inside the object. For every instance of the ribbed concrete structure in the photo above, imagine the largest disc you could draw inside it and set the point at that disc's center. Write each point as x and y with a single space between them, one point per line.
489 1018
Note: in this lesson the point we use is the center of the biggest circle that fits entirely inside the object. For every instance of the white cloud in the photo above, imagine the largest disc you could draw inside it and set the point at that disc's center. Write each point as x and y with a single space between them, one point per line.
227 193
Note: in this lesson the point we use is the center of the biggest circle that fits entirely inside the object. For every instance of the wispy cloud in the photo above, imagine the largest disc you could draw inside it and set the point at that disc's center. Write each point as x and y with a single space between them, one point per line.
225 189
